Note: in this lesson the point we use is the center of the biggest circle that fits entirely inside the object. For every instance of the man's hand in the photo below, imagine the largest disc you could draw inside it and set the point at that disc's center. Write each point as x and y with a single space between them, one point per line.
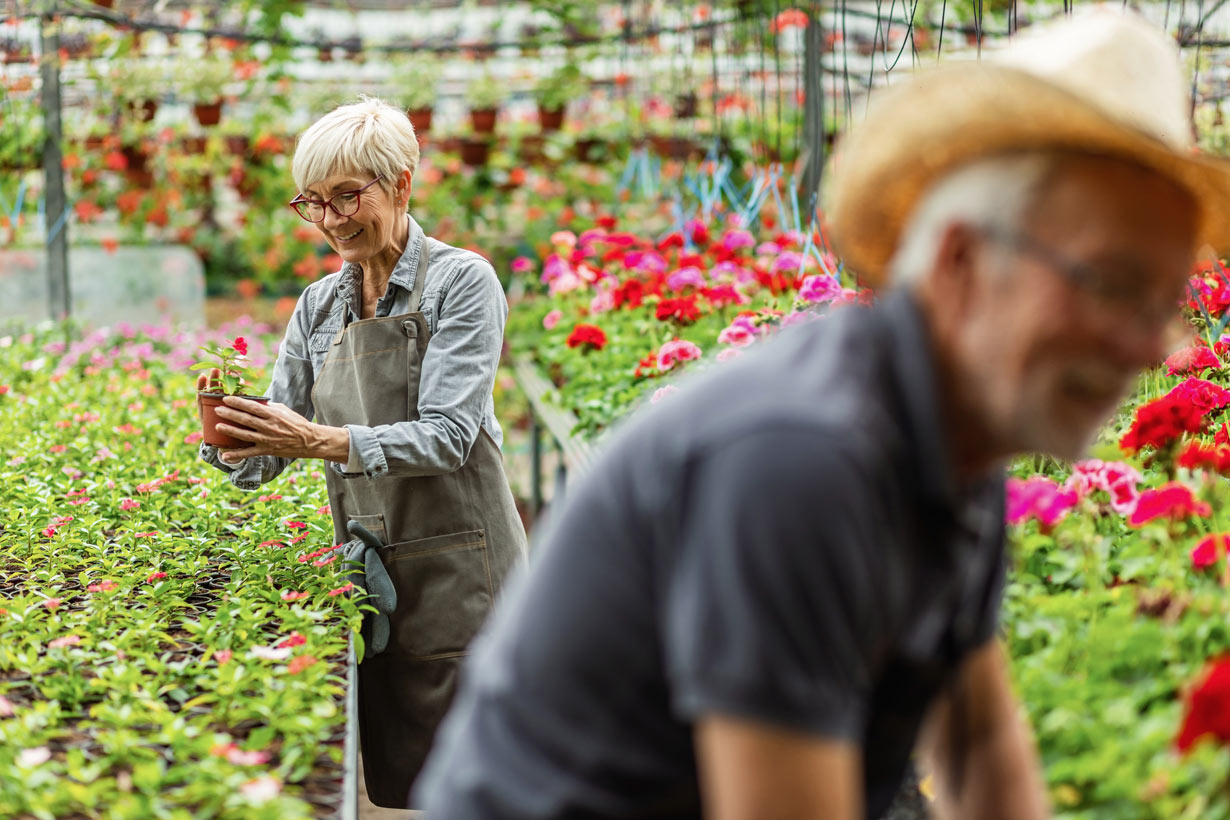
754 770
987 743
276 430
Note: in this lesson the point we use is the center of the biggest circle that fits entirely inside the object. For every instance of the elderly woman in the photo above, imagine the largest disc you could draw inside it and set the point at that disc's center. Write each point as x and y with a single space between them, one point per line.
386 373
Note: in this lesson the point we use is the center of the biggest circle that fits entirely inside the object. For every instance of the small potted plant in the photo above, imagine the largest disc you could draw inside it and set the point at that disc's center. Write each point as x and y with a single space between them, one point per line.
203 83
417 89
228 376
484 94
554 91
136 86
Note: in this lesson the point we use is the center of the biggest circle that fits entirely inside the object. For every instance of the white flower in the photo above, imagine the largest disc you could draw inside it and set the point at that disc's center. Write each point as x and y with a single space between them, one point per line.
261 789
270 653
29 758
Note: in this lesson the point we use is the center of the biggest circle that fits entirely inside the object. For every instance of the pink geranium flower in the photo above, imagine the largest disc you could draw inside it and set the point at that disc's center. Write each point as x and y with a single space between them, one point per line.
676 351
155 576
552 319
67 640
291 641
1210 549
1174 501
1118 480
1191 360
288 595
737 334
300 663
130 504
333 593
1039 498
819 288
102 586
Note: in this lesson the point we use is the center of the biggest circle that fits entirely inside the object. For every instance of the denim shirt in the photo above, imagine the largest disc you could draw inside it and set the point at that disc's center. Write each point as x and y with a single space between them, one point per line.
465 309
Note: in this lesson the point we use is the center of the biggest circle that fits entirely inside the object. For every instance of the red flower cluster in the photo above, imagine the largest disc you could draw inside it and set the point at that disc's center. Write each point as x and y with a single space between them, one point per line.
1200 456
1205 395
1208 708
1161 422
591 337
1173 501
240 345
683 310
1210 549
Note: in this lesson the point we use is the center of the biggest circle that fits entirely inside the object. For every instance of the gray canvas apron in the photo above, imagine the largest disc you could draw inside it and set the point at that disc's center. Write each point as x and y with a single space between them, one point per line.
450 541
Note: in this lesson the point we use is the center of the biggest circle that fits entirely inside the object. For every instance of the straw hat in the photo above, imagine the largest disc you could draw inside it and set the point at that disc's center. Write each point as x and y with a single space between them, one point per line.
1104 82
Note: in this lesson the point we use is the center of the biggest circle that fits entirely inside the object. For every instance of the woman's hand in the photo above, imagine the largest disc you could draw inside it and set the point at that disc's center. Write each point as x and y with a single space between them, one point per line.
276 430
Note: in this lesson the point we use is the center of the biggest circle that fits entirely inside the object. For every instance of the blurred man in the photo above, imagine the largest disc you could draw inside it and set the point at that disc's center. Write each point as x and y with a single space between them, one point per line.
780 581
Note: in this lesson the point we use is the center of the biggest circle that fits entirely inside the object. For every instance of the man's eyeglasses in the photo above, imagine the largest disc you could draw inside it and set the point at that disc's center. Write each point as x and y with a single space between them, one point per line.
1138 305
343 203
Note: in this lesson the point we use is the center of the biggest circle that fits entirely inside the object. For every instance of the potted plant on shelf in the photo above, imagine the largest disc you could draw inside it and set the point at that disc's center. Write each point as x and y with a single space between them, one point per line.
484 94
417 79
554 91
232 378
202 82
136 85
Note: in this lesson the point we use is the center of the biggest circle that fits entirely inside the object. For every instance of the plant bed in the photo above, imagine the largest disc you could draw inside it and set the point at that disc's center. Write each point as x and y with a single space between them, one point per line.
168 644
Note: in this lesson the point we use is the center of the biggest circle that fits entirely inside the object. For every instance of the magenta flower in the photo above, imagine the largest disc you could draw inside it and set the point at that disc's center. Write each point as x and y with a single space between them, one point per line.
155 576
1173 500
1039 498
1191 360
522 264
819 288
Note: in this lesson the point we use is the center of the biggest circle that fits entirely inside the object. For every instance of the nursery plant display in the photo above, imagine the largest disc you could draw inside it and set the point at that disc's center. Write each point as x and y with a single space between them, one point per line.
169 646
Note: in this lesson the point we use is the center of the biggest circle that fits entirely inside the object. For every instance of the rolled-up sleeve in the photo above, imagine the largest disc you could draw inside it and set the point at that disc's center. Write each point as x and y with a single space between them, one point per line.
458 374
292 386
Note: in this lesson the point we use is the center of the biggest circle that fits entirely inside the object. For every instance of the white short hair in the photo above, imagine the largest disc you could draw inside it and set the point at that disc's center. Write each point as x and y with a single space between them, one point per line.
369 136
991 193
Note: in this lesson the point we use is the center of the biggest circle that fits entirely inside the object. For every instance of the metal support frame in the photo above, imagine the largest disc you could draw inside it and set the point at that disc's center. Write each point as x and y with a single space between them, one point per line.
59 302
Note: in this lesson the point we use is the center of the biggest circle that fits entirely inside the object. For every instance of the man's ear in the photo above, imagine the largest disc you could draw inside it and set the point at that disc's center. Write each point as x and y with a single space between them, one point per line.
954 277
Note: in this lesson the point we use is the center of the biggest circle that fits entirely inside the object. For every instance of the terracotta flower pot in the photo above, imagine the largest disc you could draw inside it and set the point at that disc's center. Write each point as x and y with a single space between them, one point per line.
474 152
483 120
587 150
420 118
208 113
550 119
208 403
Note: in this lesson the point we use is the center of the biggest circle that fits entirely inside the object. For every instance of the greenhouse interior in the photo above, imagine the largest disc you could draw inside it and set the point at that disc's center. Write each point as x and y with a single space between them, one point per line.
983 575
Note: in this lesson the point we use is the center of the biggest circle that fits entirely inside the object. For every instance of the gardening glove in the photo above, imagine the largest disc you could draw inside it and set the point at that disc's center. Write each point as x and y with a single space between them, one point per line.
374 580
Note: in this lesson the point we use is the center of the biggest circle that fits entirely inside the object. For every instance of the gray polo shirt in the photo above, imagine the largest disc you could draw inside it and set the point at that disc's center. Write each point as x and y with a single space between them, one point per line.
783 540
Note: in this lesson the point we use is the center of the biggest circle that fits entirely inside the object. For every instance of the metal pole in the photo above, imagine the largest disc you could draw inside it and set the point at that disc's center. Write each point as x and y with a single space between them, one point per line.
535 464
813 107
56 219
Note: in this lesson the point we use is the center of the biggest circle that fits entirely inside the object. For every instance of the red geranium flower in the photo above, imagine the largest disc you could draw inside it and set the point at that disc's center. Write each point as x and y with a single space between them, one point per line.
590 337
1208 708
682 310
240 345
1161 422
1174 501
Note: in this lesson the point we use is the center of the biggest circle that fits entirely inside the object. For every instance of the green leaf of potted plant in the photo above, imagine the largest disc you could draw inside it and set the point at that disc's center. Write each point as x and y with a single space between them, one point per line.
554 91
416 89
484 94
228 376
203 83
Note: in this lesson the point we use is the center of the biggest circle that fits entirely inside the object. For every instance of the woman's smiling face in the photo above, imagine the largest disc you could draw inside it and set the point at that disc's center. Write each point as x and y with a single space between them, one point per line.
373 230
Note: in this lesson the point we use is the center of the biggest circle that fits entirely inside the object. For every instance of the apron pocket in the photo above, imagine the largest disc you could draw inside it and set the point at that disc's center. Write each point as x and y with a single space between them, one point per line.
373 524
444 593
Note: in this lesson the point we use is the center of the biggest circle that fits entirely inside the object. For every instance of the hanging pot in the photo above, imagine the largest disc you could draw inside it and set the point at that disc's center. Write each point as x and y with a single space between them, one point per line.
483 120
550 119
208 403
474 152
208 113
420 118
144 110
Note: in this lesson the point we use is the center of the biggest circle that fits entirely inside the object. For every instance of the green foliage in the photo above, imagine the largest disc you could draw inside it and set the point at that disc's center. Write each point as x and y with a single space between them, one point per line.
416 79
143 598
560 87
485 91
204 80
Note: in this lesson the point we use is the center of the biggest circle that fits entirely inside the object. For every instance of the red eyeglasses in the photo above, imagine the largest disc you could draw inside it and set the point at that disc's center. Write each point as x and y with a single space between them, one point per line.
343 203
